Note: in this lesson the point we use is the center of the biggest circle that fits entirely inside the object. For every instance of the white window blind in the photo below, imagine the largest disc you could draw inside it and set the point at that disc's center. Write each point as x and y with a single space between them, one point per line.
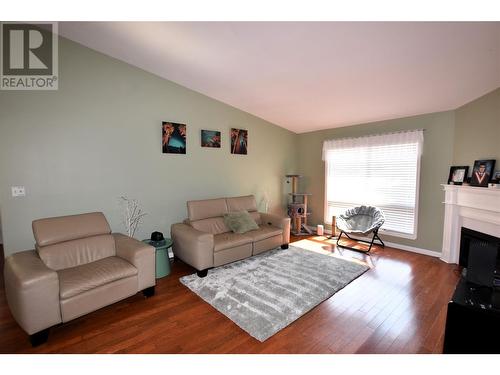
379 170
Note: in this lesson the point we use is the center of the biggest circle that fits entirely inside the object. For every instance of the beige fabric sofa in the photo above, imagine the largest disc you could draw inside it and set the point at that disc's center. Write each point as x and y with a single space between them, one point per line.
78 267
204 241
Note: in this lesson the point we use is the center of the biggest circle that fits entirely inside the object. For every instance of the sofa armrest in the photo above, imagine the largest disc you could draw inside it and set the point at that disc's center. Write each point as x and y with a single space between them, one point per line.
32 291
193 246
277 221
141 255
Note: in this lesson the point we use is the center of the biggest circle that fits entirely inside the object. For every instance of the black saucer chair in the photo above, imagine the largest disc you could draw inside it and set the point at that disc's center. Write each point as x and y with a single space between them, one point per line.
361 220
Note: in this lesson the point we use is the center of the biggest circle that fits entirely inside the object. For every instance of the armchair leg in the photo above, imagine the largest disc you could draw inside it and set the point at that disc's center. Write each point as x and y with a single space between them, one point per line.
149 292
202 273
284 246
39 338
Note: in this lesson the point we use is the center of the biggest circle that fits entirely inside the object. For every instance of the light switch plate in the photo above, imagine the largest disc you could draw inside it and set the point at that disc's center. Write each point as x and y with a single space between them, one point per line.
18 191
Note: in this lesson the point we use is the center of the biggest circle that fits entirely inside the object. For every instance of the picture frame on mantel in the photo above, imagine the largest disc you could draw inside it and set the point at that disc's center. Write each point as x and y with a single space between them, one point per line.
482 172
496 177
458 175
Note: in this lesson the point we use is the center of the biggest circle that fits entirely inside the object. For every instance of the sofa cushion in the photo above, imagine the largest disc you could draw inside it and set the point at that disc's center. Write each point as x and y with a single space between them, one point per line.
76 280
256 217
203 209
214 225
264 231
91 300
241 203
77 252
240 222
227 240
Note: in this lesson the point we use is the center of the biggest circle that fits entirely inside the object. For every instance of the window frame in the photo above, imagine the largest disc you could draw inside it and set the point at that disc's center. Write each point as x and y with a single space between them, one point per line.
387 232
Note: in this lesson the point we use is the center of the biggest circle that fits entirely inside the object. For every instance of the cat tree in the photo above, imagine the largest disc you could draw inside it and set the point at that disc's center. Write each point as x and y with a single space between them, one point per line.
297 207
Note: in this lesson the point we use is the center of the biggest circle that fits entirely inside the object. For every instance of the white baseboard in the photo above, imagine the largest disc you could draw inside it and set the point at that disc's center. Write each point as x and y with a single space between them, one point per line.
413 249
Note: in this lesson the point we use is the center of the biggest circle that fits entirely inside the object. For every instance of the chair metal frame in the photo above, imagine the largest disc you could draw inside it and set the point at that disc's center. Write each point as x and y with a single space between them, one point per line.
375 236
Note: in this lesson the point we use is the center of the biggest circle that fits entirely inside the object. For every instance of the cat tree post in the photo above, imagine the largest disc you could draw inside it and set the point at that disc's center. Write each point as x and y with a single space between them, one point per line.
297 208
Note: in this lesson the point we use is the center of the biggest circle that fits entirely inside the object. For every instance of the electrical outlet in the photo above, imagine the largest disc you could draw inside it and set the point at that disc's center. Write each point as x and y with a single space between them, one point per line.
18 191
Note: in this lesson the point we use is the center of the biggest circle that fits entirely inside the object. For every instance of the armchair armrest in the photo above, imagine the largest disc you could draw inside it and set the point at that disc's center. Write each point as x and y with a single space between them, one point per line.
140 255
32 291
278 221
193 246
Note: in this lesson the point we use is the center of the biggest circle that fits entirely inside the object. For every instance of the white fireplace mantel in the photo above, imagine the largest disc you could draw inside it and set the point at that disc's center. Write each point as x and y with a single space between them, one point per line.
475 208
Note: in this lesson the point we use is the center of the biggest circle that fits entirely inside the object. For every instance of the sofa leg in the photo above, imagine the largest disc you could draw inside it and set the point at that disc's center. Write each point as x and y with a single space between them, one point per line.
202 273
149 292
39 338
284 246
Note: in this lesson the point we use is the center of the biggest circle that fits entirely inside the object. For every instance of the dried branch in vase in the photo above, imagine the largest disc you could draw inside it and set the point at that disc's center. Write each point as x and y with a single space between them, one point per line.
132 215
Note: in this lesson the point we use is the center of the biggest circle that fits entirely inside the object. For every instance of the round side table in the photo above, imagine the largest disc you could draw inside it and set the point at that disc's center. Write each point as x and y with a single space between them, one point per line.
162 261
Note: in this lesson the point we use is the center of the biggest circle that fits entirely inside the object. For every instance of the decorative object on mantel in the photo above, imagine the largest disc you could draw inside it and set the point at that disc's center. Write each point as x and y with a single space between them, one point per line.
173 138
458 175
496 177
481 173
132 215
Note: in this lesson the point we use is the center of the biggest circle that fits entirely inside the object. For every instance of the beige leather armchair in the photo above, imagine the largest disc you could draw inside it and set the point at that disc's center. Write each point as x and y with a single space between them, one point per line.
78 267
204 241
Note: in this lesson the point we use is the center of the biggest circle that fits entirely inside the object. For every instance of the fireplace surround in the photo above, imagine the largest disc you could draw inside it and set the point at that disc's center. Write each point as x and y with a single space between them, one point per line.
474 208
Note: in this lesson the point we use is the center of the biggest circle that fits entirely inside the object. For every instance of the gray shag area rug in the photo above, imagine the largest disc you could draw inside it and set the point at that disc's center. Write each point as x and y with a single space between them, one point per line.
265 293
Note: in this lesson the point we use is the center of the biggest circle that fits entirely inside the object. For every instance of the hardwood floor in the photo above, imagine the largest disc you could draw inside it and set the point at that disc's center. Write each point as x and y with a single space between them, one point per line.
398 306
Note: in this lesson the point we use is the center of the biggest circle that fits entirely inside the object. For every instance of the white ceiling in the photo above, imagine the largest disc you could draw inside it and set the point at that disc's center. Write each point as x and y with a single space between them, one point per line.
307 76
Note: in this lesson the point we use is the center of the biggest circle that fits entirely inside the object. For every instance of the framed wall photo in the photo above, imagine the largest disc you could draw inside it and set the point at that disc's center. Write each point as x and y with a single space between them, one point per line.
458 174
210 138
482 172
496 177
173 138
239 141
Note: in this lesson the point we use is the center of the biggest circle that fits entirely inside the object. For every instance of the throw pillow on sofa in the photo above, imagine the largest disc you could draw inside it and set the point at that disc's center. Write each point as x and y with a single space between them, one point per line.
240 222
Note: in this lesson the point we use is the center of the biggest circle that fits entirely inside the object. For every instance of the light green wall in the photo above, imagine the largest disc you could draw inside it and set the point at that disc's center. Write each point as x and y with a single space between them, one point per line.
436 159
99 136
455 137
477 130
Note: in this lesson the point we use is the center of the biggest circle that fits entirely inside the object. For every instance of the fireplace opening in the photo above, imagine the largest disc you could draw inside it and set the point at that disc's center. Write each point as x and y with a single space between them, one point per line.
480 256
